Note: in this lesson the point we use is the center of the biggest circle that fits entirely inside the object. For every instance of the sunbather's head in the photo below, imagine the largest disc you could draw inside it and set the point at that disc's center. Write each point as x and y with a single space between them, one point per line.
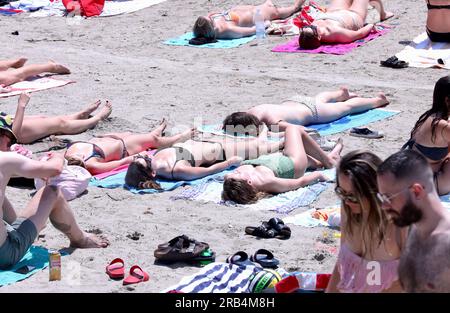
75 160
356 185
141 175
242 123
309 38
7 136
240 191
440 109
204 28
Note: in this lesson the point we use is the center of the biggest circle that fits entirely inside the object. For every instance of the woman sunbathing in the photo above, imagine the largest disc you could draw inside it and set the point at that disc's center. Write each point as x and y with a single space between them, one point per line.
34 127
280 172
438 20
239 21
195 159
431 135
370 244
14 71
106 152
299 110
342 23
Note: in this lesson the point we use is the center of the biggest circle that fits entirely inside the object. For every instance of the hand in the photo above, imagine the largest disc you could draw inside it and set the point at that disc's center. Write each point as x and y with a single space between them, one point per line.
24 99
320 177
235 161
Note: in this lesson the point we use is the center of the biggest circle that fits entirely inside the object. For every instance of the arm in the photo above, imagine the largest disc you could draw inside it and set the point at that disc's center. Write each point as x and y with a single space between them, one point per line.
191 173
20 113
14 164
234 32
280 185
334 281
343 35
95 167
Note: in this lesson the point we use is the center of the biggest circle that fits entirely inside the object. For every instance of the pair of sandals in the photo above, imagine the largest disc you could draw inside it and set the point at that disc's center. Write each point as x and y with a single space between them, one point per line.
116 271
274 228
184 249
366 133
263 257
394 62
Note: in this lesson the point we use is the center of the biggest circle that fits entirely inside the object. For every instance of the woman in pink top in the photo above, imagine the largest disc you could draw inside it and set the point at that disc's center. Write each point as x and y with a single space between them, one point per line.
370 244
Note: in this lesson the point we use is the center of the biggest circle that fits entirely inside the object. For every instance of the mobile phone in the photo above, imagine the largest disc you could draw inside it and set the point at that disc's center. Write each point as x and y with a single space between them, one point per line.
25 269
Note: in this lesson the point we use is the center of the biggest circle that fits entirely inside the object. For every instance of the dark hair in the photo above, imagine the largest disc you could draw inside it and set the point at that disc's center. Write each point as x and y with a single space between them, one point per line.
6 133
137 176
405 164
242 123
204 27
439 108
360 166
240 191
75 161
309 37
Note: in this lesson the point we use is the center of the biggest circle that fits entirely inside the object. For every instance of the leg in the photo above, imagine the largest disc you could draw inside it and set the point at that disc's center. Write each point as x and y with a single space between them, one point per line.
360 7
22 73
272 12
248 149
86 112
50 203
378 5
294 149
336 5
335 96
13 63
328 112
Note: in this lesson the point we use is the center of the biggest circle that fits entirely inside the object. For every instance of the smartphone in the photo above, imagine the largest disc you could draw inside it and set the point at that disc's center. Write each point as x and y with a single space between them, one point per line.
25 269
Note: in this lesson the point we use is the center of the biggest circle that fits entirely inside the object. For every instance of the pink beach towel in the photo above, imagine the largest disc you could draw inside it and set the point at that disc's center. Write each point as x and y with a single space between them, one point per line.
340 49
119 169
33 84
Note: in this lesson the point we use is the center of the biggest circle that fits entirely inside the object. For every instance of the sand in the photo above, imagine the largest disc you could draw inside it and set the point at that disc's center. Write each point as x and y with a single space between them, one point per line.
123 59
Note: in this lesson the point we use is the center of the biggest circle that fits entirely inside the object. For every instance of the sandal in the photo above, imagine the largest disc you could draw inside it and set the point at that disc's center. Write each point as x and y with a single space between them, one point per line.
365 133
262 231
394 62
265 258
240 259
137 275
116 269
181 248
282 231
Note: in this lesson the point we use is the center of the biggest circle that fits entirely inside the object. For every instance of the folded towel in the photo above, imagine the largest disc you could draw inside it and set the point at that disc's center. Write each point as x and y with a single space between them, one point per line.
183 40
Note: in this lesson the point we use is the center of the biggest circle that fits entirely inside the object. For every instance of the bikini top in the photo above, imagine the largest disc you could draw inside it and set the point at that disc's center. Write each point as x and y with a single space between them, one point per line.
97 152
437 6
181 154
432 153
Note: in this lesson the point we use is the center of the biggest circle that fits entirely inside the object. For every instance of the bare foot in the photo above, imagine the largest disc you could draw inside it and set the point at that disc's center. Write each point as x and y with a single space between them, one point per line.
58 68
378 5
386 15
19 62
90 241
335 155
84 114
163 125
382 99
105 111
188 134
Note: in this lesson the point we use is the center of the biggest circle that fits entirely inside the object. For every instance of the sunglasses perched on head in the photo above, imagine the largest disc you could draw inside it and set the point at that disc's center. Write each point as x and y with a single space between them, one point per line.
344 196
148 160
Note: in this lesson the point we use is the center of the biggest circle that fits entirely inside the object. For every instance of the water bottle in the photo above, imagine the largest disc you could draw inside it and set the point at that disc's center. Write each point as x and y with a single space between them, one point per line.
259 23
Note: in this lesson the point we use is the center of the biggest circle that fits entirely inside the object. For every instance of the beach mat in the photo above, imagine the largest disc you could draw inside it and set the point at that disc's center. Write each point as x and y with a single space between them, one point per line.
34 84
339 49
424 53
36 257
183 40
340 125
211 190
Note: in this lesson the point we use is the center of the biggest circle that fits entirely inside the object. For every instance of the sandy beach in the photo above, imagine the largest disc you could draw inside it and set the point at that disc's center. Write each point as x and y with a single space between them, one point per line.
123 59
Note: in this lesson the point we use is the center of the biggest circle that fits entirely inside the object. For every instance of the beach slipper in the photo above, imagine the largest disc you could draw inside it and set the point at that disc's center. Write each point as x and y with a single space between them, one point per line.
365 133
240 258
262 231
137 275
181 248
394 62
116 269
282 231
265 258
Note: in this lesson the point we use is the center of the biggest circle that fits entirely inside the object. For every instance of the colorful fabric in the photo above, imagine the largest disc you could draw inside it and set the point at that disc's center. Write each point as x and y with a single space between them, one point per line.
183 40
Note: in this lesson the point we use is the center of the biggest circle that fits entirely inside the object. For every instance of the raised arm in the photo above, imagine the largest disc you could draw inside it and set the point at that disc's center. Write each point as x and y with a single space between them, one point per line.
279 185
343 35
191 173
20 113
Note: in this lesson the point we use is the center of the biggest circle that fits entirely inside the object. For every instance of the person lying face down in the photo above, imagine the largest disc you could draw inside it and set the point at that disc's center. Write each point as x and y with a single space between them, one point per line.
239 21
279 172
342 23
194 159
325 107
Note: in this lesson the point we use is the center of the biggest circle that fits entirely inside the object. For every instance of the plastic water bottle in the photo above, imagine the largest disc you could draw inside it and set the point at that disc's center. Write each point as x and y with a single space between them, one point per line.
259 23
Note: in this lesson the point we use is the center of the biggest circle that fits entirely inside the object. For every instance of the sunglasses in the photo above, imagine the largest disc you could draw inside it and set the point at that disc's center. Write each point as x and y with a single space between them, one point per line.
344 196
147 159
384 199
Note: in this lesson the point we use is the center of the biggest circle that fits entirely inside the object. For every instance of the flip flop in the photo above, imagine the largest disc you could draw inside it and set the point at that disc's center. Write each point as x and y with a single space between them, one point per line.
137 275
265 258
116 269
240 258
262 231
394 62
365 133
282 231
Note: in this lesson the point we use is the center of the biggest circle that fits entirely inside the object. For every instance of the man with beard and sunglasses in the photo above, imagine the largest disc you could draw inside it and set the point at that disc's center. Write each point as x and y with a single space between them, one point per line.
408 196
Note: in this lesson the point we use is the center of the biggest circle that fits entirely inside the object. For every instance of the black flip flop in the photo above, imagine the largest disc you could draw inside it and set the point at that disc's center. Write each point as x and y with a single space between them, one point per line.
282 231
240 259
262 231
265 258
365 133
394 62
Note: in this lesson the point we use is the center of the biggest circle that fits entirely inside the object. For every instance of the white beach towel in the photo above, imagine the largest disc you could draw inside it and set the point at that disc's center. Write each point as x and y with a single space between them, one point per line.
424 53
126 6
34 84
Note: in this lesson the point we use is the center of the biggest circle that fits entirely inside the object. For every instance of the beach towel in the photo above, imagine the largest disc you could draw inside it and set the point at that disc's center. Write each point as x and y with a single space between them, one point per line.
211 190
217 277
220 44
424 53
112 8
36 257
344 123
327 217
339 49
34 84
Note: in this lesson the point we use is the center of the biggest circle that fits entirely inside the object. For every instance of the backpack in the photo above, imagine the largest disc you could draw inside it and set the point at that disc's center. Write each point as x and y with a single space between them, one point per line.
85 7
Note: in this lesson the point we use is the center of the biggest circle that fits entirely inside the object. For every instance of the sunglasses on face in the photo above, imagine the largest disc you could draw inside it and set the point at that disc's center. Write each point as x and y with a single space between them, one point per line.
148 161
344 196
385 199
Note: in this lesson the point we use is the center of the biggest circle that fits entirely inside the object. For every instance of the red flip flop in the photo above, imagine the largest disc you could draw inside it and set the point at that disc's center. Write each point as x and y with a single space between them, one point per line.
116 269
137 275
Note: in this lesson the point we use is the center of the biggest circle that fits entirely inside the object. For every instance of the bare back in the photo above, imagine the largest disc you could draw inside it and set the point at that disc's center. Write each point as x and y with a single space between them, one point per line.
438 20
289 111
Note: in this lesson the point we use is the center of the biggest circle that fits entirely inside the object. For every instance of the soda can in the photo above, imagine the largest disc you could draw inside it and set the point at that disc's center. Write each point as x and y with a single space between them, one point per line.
54 265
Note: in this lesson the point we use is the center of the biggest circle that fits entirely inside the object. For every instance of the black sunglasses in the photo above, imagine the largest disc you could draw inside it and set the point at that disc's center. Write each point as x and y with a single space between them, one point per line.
345 197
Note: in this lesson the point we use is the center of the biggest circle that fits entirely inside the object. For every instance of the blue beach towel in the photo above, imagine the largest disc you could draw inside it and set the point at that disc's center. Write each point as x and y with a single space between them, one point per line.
36 257
220 44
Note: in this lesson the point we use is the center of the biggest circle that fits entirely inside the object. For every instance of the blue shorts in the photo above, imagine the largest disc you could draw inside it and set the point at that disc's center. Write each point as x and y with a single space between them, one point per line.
21 236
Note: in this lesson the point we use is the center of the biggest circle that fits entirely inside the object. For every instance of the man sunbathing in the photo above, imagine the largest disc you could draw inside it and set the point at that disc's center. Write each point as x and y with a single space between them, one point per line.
14 71
19 230
239 21
300 110
28 129
342 23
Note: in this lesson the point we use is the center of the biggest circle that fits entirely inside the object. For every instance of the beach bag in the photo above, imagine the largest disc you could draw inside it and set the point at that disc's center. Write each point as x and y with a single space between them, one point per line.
72 181
85 7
